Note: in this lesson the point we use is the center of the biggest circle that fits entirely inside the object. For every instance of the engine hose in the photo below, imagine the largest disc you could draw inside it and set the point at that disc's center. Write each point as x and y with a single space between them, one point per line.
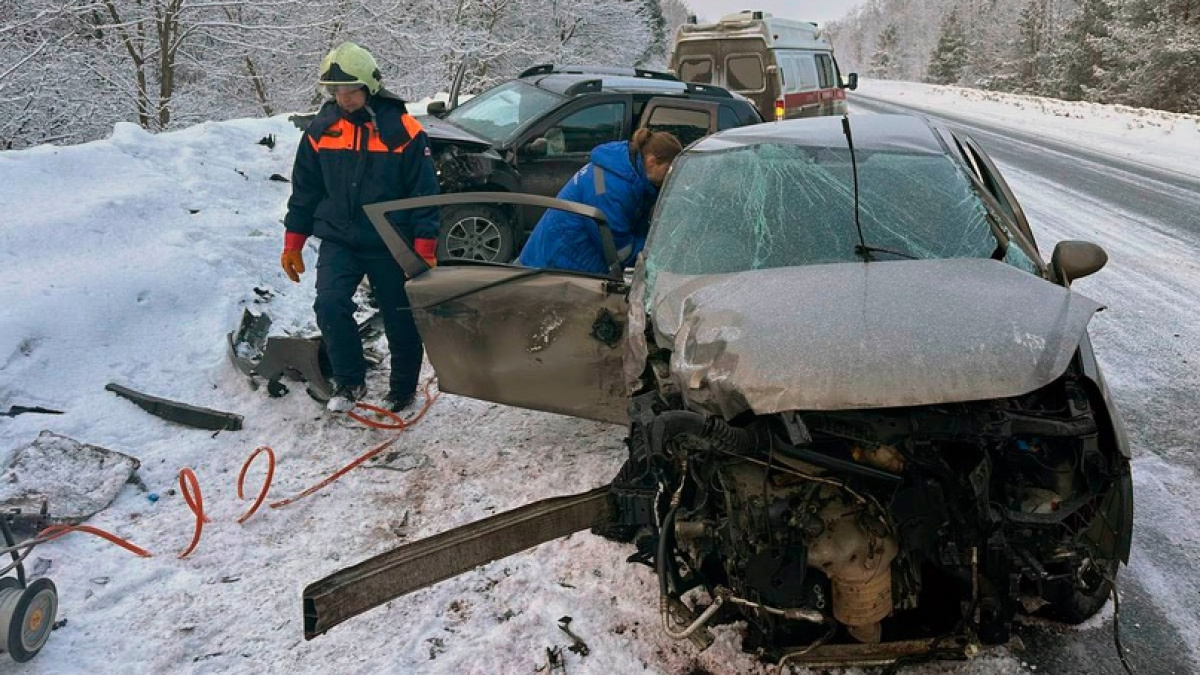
668 576
714 429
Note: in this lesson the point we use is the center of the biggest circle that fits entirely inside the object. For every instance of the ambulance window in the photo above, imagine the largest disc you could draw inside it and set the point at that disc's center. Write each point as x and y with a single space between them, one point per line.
744 73
806 72
698 70
787 66
826 72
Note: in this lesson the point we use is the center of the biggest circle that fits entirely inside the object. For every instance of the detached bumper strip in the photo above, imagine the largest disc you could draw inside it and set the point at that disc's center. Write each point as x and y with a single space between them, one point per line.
181 413
354 590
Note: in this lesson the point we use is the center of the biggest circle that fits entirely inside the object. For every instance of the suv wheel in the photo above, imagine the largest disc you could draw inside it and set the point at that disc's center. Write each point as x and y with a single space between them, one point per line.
476 232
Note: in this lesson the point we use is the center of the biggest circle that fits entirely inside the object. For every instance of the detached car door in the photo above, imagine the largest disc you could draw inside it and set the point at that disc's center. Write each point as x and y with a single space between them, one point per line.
527 337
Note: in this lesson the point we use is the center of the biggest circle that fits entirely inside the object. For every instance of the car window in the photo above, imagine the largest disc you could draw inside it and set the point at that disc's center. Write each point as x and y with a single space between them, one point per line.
727 118
744 73
583 130
499 113
778 205
687 125
826 75
698 69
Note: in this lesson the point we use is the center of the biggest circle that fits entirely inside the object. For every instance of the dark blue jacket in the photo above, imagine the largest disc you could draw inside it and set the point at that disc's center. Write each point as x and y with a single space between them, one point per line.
567 241
347 161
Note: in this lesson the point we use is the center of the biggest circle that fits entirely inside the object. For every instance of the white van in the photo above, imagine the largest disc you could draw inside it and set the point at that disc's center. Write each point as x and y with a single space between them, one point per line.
785 66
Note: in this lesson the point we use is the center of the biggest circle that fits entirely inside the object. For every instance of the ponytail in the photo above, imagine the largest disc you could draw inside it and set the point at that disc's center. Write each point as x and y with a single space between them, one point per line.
661 145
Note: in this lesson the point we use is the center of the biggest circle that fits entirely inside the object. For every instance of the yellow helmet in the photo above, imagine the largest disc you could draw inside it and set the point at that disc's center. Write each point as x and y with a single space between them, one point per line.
350 64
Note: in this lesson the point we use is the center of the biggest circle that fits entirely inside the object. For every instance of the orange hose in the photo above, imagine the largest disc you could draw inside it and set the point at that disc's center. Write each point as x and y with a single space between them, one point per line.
401 425
188 483
189 486
339 473
55 531
262 493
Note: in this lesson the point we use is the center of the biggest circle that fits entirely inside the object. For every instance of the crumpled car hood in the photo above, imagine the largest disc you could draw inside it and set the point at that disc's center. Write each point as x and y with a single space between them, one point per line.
443 131
870 335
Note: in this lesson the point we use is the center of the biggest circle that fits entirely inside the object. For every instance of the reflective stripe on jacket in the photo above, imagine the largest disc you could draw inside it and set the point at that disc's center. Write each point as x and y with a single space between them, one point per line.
347 161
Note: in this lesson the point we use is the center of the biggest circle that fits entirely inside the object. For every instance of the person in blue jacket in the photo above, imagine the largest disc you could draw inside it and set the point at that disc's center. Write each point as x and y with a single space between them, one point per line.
622 180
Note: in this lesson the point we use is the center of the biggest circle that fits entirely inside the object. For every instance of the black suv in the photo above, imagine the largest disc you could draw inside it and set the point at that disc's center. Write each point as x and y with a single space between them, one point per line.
533 133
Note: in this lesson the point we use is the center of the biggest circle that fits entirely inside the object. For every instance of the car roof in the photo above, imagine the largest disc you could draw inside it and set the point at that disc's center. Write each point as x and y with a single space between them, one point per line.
575 80
889 133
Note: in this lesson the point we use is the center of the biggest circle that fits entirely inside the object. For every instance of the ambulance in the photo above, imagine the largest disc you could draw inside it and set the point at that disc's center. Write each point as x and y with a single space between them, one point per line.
786 67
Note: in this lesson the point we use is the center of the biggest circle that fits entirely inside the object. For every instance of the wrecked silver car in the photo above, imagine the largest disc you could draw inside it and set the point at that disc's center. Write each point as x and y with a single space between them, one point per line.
864 413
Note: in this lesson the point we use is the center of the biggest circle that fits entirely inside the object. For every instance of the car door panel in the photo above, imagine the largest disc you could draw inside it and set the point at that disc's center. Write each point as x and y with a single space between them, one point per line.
546 174
534 339
527 337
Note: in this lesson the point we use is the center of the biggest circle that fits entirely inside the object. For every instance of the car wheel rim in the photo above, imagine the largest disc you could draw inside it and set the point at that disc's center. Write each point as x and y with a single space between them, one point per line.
474 238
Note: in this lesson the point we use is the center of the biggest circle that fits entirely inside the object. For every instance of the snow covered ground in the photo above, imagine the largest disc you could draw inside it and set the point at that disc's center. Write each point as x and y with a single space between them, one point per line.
128 260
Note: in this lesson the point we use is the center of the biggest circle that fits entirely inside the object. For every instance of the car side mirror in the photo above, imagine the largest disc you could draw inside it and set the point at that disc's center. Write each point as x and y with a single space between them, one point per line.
1073 260
536 148
772 69
437 108
851 82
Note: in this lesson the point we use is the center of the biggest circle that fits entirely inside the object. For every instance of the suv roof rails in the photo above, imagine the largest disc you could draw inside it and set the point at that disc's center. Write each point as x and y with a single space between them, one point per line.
550 68
584 86
708 90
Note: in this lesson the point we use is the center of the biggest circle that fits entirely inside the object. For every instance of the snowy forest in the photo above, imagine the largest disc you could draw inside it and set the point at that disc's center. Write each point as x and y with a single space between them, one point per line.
1142 53
70 69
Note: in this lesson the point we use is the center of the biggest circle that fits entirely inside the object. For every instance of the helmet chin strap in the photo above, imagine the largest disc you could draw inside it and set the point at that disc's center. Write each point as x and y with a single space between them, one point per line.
371 112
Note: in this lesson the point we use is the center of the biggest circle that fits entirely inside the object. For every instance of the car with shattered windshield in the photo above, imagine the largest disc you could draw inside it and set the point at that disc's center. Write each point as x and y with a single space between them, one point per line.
864 413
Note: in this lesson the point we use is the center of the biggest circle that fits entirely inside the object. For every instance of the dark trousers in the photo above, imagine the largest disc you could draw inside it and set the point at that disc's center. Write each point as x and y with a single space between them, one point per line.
339 271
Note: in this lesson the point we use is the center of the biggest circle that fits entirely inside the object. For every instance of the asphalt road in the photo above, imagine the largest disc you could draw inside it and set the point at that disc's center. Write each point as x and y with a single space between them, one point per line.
1148 220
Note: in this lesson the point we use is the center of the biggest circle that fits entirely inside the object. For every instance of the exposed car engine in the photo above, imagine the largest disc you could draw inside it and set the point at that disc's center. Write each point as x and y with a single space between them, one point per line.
881 525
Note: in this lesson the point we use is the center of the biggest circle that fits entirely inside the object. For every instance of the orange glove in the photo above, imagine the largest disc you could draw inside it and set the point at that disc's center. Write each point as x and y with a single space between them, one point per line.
292 258
427 249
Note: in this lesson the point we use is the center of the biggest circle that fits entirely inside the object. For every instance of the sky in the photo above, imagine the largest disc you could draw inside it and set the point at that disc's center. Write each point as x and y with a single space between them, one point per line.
820 11
128 259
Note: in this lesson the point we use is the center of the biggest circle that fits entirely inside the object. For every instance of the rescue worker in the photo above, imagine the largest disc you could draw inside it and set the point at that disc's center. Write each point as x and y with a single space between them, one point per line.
622 180
362 147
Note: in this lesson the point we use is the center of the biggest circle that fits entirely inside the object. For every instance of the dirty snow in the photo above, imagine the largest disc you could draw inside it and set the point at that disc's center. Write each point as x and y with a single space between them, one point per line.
128 260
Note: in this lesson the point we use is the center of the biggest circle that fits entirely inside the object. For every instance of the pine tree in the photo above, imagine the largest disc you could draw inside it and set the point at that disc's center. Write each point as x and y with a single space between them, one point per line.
950 56
1030 55
655 53
1081 59
883 62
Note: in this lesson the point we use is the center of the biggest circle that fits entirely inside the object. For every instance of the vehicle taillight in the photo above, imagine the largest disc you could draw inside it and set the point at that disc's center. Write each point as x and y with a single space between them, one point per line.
779 109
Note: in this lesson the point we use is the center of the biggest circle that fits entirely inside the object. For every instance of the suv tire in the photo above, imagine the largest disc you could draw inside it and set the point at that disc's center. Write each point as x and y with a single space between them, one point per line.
476 232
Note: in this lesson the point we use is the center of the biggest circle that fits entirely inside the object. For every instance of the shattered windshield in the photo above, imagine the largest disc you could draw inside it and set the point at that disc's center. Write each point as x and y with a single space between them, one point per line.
783 205
497 114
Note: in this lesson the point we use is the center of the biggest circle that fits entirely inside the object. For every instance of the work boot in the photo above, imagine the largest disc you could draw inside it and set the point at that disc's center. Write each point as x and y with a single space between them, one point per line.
396 401
345 397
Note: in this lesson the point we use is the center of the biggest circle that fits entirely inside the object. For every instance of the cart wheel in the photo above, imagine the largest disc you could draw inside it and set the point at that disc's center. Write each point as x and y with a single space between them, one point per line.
26 617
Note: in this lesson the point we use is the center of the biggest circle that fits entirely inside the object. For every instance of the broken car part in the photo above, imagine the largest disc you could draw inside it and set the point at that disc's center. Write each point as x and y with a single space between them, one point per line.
57 480
180 413
15 410
354 590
